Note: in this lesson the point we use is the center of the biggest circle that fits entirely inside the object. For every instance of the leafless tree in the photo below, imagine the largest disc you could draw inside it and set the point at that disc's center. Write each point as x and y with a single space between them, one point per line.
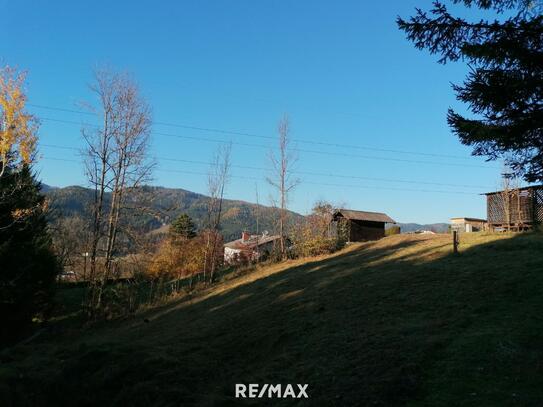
116 162
282 179
70 241
98 156
257 219
218 177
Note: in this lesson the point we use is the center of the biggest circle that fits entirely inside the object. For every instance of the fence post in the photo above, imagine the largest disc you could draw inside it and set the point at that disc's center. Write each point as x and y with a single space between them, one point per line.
455 241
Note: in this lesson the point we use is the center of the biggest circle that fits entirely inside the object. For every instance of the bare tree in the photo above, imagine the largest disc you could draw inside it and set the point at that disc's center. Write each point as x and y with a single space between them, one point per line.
130 164
70 241
98 156
282 179
257 219
218 177
116 162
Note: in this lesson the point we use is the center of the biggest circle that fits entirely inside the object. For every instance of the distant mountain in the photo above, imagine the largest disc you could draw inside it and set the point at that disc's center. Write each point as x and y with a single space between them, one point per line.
47 188
159 206
413 227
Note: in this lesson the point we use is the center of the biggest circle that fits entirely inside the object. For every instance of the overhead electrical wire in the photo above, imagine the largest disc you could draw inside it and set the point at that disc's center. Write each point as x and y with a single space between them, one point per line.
245 134
304 141
298 171
330 153
331 184
167 170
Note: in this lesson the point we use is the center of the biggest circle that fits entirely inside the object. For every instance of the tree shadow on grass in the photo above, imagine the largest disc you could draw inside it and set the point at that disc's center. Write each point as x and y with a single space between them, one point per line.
388 324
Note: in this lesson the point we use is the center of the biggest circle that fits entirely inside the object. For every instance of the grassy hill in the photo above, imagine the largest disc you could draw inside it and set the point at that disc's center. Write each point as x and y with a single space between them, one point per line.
162 205
400 321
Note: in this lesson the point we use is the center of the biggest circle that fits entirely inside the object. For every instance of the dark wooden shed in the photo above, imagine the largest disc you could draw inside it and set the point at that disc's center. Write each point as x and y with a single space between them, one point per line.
362 225
515 209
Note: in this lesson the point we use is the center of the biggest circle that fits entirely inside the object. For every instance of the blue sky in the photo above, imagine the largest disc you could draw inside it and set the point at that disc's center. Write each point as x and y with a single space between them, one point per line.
342 71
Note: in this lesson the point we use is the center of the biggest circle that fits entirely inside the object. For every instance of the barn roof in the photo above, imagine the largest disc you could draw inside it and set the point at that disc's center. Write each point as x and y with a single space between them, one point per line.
363 215
516 189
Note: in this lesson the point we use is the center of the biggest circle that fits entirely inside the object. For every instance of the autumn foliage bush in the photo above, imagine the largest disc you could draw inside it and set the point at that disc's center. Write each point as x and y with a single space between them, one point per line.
316 234
179 257
314 245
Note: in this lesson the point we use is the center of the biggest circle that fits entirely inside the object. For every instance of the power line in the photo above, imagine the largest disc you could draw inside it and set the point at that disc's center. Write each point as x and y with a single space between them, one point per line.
332 184
61 147
245 134
328 153
60 109
61 159
394 189
320 174
305 182
182 126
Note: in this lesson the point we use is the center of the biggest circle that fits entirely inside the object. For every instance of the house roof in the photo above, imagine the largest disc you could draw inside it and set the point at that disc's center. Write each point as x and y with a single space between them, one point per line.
516 189
363 215
251 243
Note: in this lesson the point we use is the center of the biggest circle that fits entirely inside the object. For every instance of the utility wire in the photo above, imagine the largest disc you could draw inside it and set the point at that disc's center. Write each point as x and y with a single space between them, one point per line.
305 182
326 153
331 184
60 159
320 174
244 134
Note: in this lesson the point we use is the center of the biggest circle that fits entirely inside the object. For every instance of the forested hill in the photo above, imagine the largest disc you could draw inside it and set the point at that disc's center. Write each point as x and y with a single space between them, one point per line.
153 207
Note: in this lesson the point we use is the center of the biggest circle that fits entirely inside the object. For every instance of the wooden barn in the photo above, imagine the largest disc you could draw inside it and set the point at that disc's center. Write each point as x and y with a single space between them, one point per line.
362 225
468 224
515 209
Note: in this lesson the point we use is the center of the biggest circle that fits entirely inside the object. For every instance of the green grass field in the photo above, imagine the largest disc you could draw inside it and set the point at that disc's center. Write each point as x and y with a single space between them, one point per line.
401 321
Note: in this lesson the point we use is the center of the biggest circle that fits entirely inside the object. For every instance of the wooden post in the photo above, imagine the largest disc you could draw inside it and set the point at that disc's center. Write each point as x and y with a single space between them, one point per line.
455 242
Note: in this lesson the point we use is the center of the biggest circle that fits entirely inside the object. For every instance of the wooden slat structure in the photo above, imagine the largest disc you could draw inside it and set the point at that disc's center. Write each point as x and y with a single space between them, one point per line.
515 209
363 225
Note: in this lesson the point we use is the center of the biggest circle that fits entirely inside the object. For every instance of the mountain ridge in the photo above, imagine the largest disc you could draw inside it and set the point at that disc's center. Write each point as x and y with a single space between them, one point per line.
161 205
168 203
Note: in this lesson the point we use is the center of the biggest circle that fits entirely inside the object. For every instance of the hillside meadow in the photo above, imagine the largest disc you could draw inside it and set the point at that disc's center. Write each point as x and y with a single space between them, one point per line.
400 321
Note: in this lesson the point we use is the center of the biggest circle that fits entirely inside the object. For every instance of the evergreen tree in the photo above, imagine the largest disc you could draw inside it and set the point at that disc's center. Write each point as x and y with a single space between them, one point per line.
183 227
28 267
504 88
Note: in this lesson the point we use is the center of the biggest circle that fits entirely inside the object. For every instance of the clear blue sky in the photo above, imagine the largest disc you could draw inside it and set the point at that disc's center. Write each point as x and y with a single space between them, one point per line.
342 71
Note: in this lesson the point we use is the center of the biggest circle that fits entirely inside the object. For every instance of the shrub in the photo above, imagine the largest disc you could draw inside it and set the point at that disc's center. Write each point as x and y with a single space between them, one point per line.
316 234
315 246
178 258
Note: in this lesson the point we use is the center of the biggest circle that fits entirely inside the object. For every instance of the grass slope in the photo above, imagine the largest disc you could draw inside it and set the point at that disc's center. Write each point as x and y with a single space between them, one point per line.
401 321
